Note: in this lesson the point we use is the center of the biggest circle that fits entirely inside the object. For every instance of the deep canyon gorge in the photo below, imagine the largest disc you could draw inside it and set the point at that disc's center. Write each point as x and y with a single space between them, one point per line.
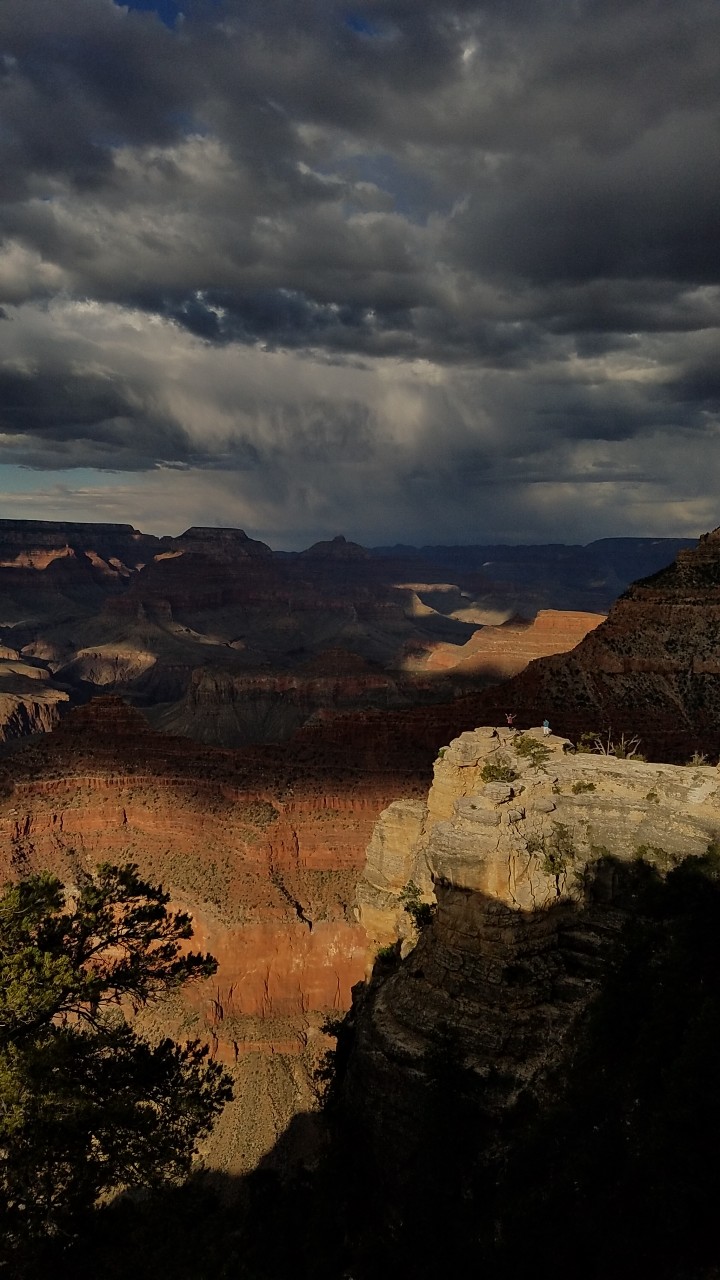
258 733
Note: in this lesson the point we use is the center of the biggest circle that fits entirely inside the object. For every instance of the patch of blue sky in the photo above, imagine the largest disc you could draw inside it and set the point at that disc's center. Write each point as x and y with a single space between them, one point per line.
414 195
168 11
189 124
362 26
108 140
184 123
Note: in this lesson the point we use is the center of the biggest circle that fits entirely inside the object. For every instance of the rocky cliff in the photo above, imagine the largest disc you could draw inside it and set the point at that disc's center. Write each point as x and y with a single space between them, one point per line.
531 1089
29 702
264 855
240 709
652 668
521 846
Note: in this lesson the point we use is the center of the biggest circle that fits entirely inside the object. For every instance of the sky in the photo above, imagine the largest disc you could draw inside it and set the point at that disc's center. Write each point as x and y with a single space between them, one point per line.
424 271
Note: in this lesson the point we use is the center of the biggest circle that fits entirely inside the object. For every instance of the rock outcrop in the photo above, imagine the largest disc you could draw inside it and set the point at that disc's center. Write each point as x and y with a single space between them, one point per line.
521 846
338 549
29 702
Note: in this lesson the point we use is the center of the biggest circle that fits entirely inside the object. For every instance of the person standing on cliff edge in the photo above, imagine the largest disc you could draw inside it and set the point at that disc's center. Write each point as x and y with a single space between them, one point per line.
546 728
510 717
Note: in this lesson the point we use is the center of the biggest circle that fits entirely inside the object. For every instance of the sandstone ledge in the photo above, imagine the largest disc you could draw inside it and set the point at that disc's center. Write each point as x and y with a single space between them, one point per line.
526 872
493 837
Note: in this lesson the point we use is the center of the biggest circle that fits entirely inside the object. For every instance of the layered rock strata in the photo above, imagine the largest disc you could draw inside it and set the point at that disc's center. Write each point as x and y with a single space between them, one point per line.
264 853
29 703
651 669
218 633
497 652
521 846
264 857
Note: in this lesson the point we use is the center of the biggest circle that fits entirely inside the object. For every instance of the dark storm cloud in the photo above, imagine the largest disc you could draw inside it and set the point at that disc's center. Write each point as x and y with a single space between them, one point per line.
649 212
59 419
577 136
75 78
520 198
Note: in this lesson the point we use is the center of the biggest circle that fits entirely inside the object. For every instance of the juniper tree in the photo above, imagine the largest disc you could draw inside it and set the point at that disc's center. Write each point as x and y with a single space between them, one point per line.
87 1106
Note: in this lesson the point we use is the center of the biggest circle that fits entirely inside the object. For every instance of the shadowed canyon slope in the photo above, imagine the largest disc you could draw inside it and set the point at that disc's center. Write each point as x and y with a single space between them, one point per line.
225 641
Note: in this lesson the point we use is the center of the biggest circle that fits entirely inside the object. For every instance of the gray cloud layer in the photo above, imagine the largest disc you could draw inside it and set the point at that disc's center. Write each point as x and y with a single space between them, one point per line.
418 270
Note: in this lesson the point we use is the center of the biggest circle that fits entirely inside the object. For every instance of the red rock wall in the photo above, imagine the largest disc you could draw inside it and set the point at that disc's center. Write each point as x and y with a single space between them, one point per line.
499 652
266 858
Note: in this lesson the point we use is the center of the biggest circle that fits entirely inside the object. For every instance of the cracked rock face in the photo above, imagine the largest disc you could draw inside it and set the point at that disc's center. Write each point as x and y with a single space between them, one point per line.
517 946
494 837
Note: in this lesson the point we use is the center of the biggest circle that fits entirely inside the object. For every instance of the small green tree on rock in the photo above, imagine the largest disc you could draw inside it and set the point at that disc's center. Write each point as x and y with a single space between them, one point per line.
530 749
421 913
87 1106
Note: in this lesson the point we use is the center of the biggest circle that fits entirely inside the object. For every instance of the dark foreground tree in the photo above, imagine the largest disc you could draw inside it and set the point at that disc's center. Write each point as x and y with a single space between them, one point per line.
87 1106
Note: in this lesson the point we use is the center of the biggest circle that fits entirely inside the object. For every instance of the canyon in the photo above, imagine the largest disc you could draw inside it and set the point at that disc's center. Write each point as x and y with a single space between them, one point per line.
435 959
259 712
264 851
525 1082
647 672
220 639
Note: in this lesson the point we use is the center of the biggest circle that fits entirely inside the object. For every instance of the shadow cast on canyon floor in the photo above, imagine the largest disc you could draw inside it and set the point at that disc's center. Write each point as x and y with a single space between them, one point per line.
608 1168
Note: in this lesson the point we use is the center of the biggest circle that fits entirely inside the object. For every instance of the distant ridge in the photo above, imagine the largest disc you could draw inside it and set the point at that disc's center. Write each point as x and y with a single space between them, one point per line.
651 669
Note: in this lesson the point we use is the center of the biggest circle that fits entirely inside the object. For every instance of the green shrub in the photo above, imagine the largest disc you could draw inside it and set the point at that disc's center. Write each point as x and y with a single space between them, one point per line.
579 787
712 853
558 852
421 913
656 855
498 770
530 749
